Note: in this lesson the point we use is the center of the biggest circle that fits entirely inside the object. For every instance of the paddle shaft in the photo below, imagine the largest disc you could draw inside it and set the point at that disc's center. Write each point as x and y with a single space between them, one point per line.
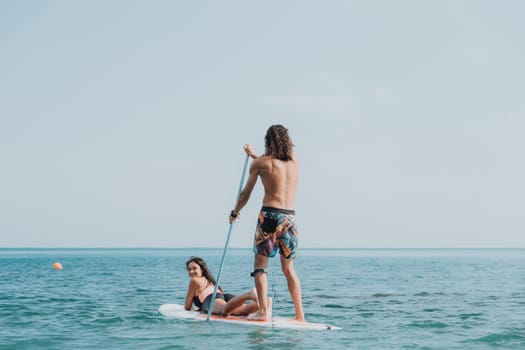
214 295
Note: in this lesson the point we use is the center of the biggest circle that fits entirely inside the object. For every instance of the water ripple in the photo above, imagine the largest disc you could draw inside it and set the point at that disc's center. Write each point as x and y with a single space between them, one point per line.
109 300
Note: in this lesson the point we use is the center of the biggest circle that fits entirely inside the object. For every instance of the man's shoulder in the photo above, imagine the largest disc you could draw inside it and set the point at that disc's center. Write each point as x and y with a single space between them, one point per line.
262 159
269 158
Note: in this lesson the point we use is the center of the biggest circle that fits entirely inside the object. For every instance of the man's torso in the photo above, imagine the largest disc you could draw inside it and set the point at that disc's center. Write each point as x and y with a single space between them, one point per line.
279 179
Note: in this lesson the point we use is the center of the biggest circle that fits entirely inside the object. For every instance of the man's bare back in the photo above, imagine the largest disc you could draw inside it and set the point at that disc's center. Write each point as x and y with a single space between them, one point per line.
279 179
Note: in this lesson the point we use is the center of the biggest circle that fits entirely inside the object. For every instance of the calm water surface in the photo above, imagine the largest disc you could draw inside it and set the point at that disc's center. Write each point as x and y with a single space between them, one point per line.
383 299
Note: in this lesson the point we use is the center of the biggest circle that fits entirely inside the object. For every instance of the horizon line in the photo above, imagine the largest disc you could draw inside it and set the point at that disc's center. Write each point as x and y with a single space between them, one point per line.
250 248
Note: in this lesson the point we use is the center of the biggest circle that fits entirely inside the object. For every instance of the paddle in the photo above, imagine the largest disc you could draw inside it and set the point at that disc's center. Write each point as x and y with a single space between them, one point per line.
210 307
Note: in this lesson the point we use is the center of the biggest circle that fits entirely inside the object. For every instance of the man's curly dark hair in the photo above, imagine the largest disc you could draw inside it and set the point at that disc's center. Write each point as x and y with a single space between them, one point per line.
278 143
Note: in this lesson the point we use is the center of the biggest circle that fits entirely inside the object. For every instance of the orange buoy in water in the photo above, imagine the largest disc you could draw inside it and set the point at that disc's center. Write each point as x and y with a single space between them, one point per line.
57 266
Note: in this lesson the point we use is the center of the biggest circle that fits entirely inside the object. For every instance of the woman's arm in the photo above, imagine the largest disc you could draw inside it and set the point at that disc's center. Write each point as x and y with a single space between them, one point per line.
192 288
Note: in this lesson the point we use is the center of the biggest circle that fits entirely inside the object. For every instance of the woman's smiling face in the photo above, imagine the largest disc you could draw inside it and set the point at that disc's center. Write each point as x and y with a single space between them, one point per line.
194 270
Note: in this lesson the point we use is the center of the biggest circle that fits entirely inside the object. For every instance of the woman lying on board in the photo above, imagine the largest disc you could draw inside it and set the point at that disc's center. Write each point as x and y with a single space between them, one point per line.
200 292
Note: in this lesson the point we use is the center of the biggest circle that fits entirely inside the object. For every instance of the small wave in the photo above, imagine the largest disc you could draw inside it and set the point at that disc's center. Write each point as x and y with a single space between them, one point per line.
470 315
107 319
502 339
427 324
62 300
335 306
27 313
100 274
12 307
427 294
382 295
147 291
144 316
432 310
387 295
326 296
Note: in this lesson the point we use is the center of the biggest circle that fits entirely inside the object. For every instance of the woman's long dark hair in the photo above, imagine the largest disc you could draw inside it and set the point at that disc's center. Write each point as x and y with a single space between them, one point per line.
278 143
205 271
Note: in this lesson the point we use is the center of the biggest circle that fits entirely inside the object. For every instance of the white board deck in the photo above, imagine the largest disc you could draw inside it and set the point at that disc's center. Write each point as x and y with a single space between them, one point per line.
178 311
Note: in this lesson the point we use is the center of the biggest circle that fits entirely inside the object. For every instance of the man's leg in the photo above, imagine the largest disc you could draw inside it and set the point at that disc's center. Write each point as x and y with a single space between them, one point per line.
261 284
294 286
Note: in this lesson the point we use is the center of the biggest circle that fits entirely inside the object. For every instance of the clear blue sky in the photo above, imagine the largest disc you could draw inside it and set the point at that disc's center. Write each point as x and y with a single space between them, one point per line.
122 122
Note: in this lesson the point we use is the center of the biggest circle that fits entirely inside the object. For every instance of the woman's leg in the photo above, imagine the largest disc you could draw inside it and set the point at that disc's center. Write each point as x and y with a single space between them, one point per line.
237 305
218 306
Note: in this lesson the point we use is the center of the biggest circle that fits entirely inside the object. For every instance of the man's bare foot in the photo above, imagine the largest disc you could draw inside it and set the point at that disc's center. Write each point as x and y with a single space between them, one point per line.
299 318
259 316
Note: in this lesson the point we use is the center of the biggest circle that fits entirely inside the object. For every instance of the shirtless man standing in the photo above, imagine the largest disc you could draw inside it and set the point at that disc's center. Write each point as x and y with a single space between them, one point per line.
276 229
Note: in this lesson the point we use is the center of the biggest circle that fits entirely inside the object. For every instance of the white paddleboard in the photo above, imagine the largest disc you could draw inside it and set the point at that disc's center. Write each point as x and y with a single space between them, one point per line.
178 311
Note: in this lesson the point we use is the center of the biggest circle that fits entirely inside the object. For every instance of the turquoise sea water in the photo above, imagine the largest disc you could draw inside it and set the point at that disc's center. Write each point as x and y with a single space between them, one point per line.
383 299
